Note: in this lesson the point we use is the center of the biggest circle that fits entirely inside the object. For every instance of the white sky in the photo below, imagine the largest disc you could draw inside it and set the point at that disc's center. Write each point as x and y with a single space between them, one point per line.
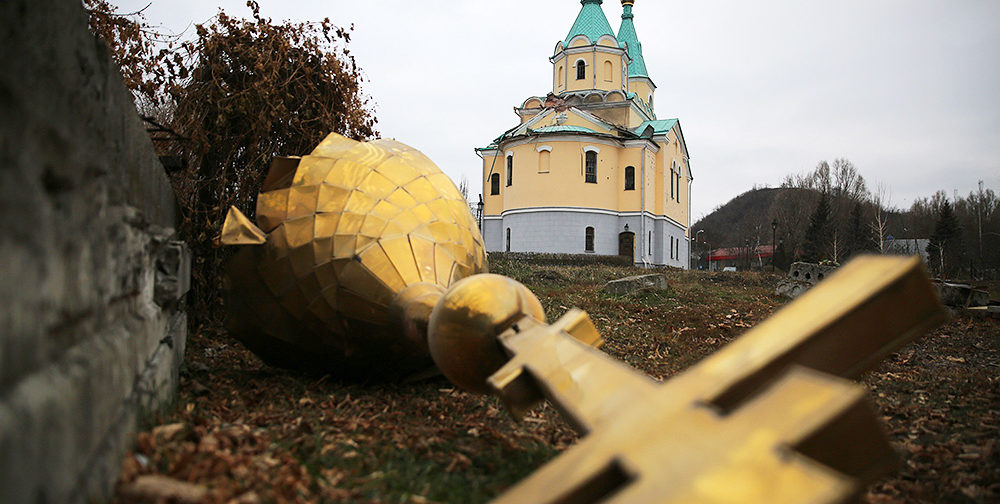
909 90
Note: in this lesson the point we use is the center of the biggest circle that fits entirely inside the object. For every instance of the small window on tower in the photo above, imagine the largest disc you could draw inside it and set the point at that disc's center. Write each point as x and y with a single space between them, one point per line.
494 184
591 168
581 70
510 170
588 239
629 178
508 240
608 71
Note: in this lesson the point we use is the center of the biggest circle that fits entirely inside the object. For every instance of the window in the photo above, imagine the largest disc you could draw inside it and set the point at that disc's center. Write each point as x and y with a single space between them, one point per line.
544 158
588 242
650 242
510 169
678 187
581 70
508 239
607 71
673 168
629 178
559 76
671 247
495 184
591 168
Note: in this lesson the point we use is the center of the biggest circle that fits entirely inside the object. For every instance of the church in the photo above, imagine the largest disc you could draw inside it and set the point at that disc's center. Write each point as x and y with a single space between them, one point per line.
590 169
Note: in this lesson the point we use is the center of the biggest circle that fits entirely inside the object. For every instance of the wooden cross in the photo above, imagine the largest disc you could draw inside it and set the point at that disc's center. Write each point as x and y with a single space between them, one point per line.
770 418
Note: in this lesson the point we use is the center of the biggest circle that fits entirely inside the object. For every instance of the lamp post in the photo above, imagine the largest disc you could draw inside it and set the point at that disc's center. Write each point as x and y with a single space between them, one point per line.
774 230
746 249
479 212
700 231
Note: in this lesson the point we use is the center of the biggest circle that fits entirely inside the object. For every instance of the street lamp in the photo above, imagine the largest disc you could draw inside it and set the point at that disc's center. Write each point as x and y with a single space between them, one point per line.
746 249
774 229
479 212
700 231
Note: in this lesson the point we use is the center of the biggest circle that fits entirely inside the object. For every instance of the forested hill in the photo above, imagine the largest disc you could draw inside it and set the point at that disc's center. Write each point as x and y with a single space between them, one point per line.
751 213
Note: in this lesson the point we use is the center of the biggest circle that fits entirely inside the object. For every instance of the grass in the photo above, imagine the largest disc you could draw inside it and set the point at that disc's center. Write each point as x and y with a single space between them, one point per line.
251 433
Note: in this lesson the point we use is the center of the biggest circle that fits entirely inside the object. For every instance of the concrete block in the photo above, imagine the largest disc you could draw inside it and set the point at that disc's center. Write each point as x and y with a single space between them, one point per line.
961 294
801 277
632 284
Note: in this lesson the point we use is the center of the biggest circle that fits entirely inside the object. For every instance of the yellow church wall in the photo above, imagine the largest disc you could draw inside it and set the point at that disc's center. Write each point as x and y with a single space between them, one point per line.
641 89
676 210
629 201
559 74
565 183
660 179
587 82
615 115
609 71
596 60
650 181
575 120
492 205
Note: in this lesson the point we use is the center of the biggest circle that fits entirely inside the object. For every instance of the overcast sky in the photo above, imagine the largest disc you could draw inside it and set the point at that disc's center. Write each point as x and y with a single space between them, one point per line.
908 90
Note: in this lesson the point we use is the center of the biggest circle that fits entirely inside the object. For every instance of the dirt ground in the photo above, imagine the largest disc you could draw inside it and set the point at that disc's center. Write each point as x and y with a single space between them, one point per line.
241 431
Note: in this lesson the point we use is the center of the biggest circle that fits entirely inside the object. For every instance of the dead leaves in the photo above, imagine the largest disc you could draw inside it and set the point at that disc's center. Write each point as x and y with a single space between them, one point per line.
258 434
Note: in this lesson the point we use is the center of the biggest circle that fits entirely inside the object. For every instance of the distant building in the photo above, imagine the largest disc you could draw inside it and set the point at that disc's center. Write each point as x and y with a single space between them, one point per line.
590 168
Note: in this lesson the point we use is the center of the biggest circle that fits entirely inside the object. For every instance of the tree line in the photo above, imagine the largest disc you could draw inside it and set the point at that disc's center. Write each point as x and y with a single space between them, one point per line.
830 214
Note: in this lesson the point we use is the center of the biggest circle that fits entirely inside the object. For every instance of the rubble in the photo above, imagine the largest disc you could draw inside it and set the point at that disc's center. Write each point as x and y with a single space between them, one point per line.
801 277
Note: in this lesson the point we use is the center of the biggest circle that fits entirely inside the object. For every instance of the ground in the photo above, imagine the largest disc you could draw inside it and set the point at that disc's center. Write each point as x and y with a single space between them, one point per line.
245 432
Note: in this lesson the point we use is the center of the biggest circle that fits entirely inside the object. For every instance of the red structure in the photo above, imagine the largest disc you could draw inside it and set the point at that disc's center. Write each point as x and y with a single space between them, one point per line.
745 257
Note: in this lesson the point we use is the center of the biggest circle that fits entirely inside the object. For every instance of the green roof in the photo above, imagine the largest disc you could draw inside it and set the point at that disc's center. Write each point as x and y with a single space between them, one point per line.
626 35
563 129
659 127
590 22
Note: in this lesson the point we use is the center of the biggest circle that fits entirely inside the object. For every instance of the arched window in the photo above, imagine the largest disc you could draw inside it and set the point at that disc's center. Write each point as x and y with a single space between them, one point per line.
629 178
544 159
559 76
510 169
508 239
608 71
591 168
495 184
588 241
581 70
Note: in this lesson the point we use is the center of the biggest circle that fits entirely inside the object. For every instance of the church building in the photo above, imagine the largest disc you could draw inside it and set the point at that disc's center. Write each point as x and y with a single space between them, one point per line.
590 169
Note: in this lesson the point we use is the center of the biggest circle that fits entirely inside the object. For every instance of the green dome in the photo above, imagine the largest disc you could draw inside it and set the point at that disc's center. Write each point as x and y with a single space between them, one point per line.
590 22
626 35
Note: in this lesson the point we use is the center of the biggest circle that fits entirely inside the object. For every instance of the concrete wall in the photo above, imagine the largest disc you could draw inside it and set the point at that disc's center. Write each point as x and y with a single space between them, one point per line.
563 231
92 327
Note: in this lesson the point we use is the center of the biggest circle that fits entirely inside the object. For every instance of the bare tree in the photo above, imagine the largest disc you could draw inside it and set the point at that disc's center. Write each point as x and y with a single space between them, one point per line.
880 200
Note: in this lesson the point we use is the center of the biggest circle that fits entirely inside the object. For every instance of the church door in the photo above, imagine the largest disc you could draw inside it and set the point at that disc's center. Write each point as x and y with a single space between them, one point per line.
626 244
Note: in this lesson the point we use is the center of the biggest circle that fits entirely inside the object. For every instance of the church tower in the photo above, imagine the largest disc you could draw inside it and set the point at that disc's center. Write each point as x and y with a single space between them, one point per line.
590 169
589 58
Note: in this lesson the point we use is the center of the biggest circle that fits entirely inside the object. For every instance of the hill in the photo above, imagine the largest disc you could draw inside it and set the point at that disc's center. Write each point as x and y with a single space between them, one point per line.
749 216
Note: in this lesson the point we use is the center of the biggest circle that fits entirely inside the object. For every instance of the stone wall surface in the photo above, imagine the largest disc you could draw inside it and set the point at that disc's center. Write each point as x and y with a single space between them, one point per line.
92 326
